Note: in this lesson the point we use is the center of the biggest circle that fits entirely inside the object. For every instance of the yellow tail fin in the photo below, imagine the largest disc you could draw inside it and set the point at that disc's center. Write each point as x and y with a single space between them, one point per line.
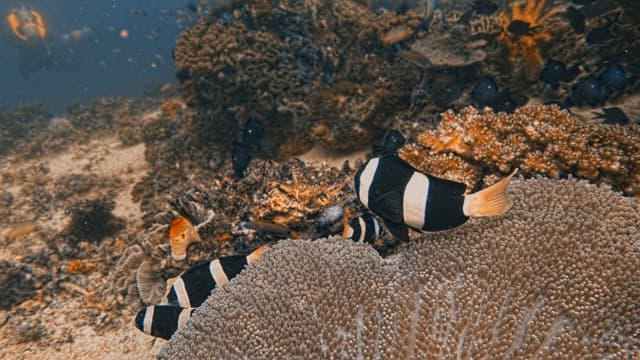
491 201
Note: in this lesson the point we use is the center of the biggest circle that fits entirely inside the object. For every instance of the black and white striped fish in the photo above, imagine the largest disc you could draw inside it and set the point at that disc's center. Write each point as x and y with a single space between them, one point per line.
190 290
162 320
406 198
365 228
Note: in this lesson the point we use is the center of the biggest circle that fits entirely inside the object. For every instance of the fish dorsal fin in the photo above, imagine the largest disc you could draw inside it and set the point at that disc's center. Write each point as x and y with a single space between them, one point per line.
398 230
491 201
389 206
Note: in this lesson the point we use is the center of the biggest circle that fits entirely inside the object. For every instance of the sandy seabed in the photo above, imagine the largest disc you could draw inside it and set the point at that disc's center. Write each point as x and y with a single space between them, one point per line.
69 334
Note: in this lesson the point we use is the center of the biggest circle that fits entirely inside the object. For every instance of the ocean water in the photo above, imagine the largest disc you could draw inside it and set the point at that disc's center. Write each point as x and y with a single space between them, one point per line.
98 48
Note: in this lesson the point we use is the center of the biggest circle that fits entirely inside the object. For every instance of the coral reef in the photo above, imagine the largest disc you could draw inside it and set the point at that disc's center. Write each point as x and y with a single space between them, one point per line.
309 70
556 276
473 145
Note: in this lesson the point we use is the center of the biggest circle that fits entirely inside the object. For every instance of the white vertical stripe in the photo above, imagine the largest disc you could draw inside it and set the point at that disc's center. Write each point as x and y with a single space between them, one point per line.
363 229
366 178
183 317
181 293
148 319
218 273
414 203
376 227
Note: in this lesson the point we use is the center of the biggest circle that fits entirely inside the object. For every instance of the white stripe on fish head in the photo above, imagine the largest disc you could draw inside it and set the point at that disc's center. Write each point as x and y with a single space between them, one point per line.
366 179
147 323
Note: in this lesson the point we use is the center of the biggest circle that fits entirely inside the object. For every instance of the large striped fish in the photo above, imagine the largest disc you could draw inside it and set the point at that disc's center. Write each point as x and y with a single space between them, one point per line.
406 198
190 290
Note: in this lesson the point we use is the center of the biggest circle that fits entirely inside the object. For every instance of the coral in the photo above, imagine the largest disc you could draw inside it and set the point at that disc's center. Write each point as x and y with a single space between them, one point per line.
522 35
92 220
292 65
554 277
540 139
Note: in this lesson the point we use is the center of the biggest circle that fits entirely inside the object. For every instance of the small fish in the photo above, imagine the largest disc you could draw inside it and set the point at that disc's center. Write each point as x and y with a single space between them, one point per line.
589 91
393 141
486 91
189 291
240 158
612 115
519 28
365 228
162 320
555 72
615 77
194 286
575 19
406 198
252 133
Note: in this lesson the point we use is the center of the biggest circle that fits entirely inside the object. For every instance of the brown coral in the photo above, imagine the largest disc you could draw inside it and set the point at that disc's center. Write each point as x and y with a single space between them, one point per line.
538 139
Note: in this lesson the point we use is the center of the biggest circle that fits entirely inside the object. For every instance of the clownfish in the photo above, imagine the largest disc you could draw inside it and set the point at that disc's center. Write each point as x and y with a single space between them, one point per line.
365 228
190 290
406 198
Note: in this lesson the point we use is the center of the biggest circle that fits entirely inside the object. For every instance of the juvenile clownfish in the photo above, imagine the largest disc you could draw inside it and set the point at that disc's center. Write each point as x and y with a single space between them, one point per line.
365 228
406 198
193 287
190 290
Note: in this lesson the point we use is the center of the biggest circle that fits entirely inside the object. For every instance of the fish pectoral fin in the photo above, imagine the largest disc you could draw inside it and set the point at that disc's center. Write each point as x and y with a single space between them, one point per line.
491 201
389 206
398 230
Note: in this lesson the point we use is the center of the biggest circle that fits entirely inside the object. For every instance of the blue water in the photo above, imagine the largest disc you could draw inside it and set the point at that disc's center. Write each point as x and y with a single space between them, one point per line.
100 62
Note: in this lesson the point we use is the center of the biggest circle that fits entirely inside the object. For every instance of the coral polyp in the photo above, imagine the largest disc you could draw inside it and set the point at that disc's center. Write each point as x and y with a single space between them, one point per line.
522 34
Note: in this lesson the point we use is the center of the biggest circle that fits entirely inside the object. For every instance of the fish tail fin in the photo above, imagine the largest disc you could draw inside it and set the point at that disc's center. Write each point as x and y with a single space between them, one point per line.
491 201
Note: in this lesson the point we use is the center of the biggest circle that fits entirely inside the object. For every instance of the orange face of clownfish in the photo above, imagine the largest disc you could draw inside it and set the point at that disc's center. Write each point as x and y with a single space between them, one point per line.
26 24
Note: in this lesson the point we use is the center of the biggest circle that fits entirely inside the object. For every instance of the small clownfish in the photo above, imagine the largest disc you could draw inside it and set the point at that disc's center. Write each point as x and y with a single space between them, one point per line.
190 290
194 286
406 198
365 228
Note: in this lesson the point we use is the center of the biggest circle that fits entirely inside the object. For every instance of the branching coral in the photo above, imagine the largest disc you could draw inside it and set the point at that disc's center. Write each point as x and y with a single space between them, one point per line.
537 139
555 277
521 33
